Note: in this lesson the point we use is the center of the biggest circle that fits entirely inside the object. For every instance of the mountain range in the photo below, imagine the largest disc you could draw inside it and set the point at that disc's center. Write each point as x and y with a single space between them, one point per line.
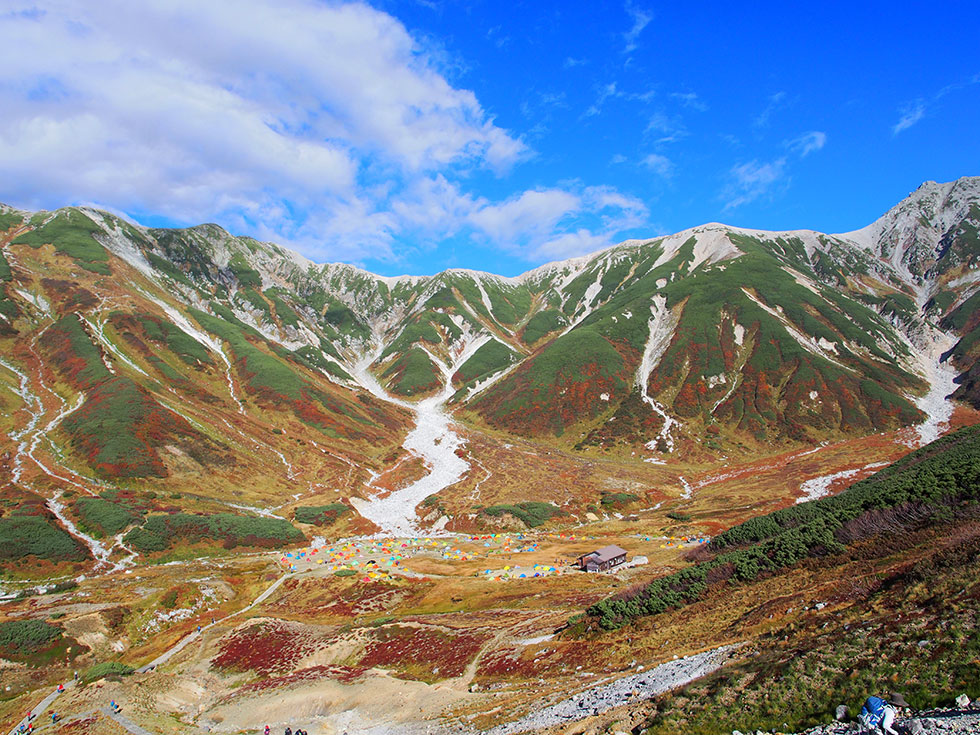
228 365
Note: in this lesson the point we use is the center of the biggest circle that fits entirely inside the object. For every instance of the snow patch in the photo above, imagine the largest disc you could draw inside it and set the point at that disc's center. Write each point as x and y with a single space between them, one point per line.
433 440
662 325
818 487
825 344
587 306
38 301
805 341
941 377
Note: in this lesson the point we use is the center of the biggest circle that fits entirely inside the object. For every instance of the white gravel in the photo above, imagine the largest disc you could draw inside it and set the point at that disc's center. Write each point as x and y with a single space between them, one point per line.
941 377
604 697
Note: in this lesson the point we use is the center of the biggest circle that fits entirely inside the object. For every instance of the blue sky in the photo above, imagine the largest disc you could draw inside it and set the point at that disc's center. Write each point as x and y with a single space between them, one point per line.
409 136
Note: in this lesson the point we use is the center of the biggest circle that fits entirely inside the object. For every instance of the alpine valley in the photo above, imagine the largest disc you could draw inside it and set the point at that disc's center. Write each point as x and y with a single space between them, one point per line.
240 487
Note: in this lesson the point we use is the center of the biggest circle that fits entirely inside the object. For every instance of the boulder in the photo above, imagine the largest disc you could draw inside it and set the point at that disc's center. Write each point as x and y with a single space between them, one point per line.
962 701
841 714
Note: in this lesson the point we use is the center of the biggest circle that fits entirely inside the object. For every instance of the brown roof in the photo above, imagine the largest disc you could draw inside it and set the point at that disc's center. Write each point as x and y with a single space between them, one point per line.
608 553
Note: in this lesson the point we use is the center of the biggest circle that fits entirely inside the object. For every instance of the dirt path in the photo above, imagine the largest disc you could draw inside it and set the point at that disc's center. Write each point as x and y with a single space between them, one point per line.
195 634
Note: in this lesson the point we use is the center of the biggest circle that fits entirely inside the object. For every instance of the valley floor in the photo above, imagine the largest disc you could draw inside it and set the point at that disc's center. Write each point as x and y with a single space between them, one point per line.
457 631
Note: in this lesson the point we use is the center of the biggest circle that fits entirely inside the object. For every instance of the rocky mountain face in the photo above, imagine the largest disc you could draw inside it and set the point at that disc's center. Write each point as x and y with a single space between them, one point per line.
715 334
159 345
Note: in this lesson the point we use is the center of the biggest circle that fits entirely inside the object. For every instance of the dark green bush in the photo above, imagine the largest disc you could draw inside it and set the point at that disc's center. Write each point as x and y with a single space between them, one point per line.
613 499
106 668
159 532
320 515
106 516
25 636
531 513
22 536
922 485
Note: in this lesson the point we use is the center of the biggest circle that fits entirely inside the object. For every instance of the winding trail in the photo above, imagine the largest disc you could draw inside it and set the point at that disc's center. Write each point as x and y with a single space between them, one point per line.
195 634
41 708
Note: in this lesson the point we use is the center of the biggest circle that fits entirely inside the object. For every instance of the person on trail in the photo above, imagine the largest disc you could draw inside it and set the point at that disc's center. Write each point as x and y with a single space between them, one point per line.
289 730
881 712
267 730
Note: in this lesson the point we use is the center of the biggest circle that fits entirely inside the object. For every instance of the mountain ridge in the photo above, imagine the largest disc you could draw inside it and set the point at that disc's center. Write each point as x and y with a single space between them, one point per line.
713 342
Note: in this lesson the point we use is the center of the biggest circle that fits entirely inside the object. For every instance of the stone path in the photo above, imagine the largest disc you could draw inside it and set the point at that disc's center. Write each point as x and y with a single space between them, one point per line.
43 705
40 709
194 634
126 722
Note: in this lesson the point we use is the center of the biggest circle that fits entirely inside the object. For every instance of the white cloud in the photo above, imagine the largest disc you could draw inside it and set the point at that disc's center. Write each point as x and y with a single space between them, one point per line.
296 118
690 99
530 215
753 180
323 126
670 129
911 114
552 223
808 143
572 244
605 92
641 19
660 165
774 103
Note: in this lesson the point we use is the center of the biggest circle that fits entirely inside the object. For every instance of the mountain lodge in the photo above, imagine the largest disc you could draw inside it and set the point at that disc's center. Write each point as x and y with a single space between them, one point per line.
602 559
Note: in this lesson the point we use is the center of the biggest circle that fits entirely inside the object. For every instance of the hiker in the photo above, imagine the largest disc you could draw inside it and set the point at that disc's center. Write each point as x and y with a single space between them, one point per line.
54 717
266 730
61 688
880 712
289 730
